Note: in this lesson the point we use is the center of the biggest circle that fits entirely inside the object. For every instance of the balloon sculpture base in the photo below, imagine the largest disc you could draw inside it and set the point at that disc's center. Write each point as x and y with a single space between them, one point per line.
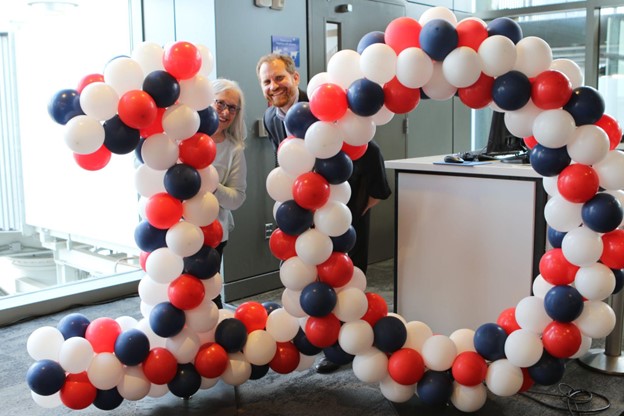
596 359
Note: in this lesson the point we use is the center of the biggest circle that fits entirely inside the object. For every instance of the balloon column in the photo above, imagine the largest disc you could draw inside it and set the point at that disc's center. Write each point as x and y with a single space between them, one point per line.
157 101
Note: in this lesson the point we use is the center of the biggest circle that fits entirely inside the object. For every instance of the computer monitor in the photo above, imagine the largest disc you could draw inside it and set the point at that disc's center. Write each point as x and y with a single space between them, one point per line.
500 140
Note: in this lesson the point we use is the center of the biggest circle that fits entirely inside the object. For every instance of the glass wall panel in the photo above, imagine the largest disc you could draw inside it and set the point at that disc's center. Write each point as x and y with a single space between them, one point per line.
611 61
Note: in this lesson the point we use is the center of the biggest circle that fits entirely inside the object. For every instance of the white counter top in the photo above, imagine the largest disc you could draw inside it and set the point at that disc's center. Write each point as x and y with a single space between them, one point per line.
494 168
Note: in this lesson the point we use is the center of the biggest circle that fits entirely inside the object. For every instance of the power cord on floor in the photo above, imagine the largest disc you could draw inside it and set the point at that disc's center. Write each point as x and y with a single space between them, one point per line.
575 400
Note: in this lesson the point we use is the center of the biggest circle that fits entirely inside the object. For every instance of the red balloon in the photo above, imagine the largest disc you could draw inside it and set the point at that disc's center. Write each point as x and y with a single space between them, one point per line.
156 126
213 234
507 320
556 269
469 368
578 183
137 109
406 366
78 393
143 255
561 339
398 98
613 249
160 366
211 360
527 381
471 33
253 315
182 60
198 151
163 210
102 334
402 33
310 190
94 161
282 245
337 270
286 358
530 142
329 102
186 292
612 128
89 79
479 94
377 308
322 332
354 152
551 90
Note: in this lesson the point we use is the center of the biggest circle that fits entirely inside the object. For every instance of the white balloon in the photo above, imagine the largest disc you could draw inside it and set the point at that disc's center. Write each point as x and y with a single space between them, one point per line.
313 247
530 314
523 348
438 12
378 63
595 282
340 192
541 286
323 139
534 56
414 68
570 69
356 130
356 337
260 347
158 390
84 135
562 215
75 355
213 285
105 371
209 179
47 402
611 171
468 398
417 333
344 67
553 128
520 122
498 54
159 152
296 274
396 392
582 246
207 60
333 218
351 304
305 362
127 322
463 339
124 74
202 209
371 366
180 121
383 116
588 145
155 340
290 302
163 265
99 100
282 326
196 92
45 343
203 318
503 378
358 280
279 184
438 88
133 385
149 56
439 352
462 67
294 157
584 348
184 345
318 80
597 319
184 239
550 185
148 181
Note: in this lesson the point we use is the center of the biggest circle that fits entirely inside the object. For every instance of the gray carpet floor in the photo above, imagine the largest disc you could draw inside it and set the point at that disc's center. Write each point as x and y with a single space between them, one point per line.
300 393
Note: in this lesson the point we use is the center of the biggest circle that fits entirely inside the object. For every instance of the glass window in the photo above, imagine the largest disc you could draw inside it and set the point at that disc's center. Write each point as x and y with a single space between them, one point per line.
611 61
486 5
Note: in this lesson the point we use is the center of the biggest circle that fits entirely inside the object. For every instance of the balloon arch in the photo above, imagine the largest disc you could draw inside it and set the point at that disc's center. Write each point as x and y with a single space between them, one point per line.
158 101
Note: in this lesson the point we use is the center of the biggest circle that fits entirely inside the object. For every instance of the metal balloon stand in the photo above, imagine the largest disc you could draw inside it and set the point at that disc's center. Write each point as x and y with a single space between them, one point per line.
609 360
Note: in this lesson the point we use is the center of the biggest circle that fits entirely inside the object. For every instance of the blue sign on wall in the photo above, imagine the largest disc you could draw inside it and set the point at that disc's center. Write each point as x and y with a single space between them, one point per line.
287 46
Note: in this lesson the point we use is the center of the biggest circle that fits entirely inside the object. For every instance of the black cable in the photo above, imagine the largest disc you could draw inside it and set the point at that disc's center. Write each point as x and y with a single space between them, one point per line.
574 400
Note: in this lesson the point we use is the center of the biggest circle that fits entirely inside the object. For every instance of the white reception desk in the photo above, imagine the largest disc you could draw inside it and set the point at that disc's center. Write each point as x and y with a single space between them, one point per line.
468 241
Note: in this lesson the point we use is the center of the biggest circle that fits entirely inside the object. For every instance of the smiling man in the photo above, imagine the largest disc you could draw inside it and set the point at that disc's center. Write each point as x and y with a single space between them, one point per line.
279 81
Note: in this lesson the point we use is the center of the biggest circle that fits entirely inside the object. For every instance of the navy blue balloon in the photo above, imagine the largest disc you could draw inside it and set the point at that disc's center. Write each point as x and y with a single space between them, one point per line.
369 39
132 347
586 105
149 238
163 87
318 299
438 38
602 213
389 334
299 118
507 27
231 334
548 161
271 306
204 264
166 320
45 377
186 382
120 138
435 388
73 325
337 355
489 341
259 371
292 218
548 370
64 105
208 121
108 399
345 242
555 238
303 344
619 280
563 303
365 97
511 91
182 181
336 169
137 151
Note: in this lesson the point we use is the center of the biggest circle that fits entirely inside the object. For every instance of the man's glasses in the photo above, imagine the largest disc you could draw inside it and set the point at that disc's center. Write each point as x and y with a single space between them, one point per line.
222 105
